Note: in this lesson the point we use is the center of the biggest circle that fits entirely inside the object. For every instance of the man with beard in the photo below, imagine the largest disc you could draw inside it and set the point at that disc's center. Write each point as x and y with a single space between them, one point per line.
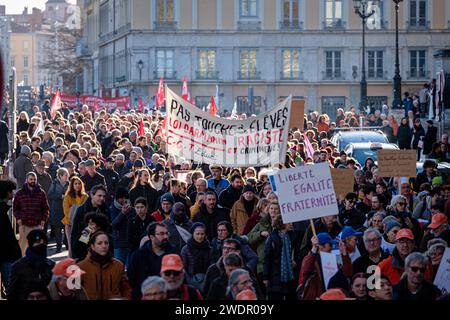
172 271
146 261
111 179
179 226
92 178
210 214
34 266
231 195
30 208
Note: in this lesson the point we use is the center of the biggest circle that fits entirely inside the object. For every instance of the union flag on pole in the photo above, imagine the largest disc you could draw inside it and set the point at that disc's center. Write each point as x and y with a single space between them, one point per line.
141 105
160 95
56 104
185 91
141 131
308 145
213 107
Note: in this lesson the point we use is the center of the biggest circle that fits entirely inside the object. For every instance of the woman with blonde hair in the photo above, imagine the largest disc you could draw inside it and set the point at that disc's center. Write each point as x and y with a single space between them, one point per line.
73 198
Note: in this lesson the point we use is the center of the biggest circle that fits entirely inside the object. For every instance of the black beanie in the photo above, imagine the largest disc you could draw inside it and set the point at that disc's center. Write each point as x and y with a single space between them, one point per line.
36 235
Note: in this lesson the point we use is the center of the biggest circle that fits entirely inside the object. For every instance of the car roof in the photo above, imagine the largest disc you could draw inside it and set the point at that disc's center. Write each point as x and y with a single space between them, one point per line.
358 133
366 145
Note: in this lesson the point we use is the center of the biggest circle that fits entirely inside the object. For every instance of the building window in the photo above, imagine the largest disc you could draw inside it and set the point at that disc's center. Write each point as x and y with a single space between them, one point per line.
165 14
165 64
248 8
25 79
243 105
417 64
375 64
418 14
25 61
202 101
331 103
291 14
25 44
333 14
248 64
376 21
104 19
207 64
291 64
333 65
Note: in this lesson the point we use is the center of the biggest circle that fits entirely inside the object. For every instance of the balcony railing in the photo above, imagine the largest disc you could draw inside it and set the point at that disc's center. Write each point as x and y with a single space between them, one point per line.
106 37
334 24
207 75
292 75
121 79
418 74
249 25
335 75
170 75
291 25
420 24
249 75
164 25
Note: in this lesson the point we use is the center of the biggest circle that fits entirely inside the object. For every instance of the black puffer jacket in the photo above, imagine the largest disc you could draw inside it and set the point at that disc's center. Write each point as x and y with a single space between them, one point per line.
211 219
147 192
9 247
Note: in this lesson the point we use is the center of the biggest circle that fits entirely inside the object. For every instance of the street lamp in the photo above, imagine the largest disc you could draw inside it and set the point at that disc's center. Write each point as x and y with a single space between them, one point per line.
397 78
140 66
361 9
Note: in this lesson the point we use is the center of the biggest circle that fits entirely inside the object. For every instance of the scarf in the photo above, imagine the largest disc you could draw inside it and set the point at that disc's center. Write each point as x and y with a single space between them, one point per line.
101 260
117 205
287 274
249 205
200 253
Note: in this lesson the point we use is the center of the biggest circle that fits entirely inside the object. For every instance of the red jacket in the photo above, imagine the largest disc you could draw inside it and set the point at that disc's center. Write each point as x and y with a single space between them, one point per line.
158 216
393 268
31 206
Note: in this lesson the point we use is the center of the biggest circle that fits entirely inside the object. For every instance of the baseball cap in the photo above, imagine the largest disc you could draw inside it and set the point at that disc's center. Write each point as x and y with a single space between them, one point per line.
404 233
347 232
215 167
61 268
325 238
110 159
171 262
246 295
89 163
334 294
437 220
36 235
167 197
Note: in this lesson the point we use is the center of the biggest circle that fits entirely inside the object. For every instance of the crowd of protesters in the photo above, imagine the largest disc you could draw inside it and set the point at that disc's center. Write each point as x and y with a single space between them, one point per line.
97 185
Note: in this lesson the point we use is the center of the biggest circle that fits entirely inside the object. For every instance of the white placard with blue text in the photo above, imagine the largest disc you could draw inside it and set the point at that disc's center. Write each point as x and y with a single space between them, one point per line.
306 192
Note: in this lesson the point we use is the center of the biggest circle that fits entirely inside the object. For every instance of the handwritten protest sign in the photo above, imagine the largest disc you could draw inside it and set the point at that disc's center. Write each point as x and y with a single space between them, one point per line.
199 136
343 181
329 266
397 163
305 192
442 280
297 114
181 174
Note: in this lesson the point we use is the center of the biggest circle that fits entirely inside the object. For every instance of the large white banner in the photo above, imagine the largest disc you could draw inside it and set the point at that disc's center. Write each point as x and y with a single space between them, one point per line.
305 192
198 136
442 280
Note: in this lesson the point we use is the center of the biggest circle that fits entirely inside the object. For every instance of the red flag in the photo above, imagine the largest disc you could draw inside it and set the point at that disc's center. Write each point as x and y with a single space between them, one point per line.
160 95
193 101
56 104
162 131
308 145
213 107
141 131
141 105
185 91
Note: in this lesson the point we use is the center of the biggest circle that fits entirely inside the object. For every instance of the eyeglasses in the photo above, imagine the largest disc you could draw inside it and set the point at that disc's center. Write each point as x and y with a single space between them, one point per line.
401 203
405 241
415 269
170 273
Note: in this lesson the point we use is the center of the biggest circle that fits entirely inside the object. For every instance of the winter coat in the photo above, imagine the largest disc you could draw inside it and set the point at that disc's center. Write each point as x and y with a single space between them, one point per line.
26 270
272 261
104 282
257 241
46 145
229 197
55 197
31 206
143 264
320 227
149 193
428 292
119 225
389 132
211 219
112 181
249 256
89 181
430 138
53 169
239 216
353 217
68 202
4 131
45 180
223 184
417 133
22 166
79 294
196 258
136 230
175 238
393 268
22 125
404 137
422 178
9 246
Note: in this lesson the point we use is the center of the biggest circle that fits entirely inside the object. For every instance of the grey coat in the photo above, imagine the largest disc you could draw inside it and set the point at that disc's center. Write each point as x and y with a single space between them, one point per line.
22 166
55 199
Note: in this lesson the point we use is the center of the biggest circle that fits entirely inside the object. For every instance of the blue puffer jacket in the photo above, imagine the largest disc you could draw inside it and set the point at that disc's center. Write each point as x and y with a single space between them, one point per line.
119 224
223 184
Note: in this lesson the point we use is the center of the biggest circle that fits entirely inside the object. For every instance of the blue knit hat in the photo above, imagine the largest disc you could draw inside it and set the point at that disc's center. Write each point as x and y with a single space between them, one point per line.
197 225
167 197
